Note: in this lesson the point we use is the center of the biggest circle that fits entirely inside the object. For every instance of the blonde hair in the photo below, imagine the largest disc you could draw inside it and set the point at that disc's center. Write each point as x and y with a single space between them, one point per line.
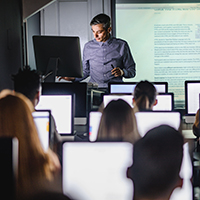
118 122
35 166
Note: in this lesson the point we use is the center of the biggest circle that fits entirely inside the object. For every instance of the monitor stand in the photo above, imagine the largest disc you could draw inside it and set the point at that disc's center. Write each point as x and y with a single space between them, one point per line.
51 70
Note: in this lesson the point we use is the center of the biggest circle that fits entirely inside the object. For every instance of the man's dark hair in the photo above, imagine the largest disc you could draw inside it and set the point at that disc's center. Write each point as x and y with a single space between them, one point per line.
101 19
157 159
27 82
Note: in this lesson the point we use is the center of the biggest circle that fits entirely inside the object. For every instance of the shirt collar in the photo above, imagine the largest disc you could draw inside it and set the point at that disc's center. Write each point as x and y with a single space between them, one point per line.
106 43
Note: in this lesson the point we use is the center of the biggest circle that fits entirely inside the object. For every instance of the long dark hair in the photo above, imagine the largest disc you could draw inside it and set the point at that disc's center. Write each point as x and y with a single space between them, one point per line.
144 95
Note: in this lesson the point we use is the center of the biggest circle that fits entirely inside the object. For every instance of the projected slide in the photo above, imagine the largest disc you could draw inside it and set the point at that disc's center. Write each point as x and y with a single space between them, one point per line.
164 41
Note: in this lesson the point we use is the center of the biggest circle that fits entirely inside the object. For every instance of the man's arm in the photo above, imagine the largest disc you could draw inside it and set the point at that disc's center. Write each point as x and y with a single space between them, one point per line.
129 63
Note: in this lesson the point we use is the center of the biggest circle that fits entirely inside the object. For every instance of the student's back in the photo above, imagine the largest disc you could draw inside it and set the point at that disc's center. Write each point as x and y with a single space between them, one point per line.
157 159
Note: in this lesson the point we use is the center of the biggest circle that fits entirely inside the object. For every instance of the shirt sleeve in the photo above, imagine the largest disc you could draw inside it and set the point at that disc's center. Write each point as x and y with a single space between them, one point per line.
129 63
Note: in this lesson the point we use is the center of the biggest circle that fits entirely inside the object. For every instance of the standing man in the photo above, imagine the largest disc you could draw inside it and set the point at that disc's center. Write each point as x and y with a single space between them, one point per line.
105 58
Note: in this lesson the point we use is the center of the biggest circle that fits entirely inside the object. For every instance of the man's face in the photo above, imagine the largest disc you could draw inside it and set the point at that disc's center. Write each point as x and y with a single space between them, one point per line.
100 34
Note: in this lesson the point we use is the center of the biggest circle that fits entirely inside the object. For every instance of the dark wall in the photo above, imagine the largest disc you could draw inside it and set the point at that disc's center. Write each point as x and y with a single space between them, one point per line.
10 41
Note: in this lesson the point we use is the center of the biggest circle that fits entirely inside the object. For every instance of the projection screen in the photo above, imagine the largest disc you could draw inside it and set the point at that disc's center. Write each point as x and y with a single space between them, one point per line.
164 39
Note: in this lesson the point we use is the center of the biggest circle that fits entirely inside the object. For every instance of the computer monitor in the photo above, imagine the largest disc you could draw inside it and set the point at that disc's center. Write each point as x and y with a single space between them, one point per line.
109 97
97 170
128 87
150 119
62 109
186 173
192 91
165 101
57 56
42 119
81 99
94 121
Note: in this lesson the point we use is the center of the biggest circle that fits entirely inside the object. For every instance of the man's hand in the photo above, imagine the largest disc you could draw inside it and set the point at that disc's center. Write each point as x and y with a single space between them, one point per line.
117 71
66 78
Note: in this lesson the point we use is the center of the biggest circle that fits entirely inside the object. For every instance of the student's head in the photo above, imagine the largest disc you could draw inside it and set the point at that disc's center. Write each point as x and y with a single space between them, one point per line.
28 82
157 159
117 122
101 27
144 96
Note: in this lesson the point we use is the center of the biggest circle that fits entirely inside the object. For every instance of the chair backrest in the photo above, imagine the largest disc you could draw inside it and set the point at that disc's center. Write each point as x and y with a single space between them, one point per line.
8 167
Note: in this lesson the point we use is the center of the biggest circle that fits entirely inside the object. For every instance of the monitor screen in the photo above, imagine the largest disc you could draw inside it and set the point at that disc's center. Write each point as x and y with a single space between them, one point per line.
42 122
62 109
94 121
128 87
164 40
80 91
186 172
192 91
151 119
109 97
97 170
165 102
59 54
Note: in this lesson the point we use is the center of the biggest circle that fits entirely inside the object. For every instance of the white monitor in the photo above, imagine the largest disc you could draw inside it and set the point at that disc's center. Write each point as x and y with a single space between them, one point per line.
97 170
62 109
94 121
42 122
109 97
165 102
148 120
186 192
128 87
192 90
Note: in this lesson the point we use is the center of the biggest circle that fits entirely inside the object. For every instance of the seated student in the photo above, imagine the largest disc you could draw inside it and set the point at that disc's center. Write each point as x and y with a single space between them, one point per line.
157 159
28 82
37 169
117 122
144 96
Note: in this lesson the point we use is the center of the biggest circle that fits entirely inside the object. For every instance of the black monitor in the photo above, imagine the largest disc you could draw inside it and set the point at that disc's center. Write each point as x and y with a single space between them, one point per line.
57 56
64 88
128 87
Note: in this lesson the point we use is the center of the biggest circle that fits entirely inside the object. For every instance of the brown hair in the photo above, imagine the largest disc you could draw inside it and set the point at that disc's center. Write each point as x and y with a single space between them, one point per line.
35 165
144 95
117 122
